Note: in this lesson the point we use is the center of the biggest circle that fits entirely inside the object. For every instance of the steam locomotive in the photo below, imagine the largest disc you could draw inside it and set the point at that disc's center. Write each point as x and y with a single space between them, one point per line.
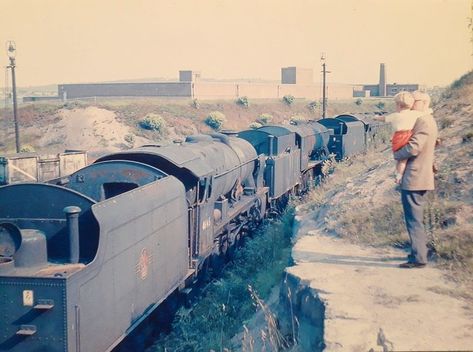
85 258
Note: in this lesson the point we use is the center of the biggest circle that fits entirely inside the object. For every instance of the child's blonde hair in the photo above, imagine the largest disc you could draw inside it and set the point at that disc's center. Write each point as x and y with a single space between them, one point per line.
404 99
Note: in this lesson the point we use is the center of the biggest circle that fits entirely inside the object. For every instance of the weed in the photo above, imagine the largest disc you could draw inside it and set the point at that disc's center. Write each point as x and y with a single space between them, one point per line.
359 101
226 303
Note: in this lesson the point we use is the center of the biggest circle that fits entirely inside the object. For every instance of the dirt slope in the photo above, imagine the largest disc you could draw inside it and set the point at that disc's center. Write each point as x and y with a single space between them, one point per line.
104 125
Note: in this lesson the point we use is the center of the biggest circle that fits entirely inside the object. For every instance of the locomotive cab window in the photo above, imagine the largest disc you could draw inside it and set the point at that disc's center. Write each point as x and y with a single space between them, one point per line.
113 189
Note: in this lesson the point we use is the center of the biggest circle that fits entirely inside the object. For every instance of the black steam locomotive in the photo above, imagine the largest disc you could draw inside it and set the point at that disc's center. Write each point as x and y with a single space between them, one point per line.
84 259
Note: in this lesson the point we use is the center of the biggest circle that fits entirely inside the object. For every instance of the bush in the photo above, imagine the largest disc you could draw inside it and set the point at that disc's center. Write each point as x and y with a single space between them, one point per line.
288 99
243 101
297 119
359 101
74 104
445 122
380 105
27 149
312 106
130 139
467 137
195 104
153 122
264 119
255 125
215 120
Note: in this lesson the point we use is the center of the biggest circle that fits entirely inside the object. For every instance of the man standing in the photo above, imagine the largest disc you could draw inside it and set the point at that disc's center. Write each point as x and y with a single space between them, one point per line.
418 179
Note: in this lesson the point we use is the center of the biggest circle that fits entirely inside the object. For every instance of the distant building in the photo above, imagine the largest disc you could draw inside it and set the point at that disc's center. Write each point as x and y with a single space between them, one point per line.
295 81
382 89
296 75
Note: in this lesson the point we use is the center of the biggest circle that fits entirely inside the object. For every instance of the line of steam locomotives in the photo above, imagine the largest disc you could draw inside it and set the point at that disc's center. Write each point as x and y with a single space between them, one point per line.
84 259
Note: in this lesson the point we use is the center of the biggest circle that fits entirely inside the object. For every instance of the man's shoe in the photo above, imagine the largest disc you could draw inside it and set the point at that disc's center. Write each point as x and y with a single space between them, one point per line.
410 265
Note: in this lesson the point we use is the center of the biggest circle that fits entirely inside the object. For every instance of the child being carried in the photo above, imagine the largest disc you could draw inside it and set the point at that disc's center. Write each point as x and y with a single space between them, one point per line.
403 120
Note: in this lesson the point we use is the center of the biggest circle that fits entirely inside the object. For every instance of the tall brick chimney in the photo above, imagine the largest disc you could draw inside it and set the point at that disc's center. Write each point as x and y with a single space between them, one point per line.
382 80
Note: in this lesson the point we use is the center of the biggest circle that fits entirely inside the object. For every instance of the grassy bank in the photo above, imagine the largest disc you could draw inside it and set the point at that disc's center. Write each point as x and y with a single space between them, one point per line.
359 202
228 302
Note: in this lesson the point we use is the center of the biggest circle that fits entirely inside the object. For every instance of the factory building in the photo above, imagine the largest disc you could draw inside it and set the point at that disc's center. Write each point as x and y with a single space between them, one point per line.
295 81
383 89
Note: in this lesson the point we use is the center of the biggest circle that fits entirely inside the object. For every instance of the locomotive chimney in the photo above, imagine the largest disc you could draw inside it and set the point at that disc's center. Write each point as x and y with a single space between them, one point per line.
271 148
72 217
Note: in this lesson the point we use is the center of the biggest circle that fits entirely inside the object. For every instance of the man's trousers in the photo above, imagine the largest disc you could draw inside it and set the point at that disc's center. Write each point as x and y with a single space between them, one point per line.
413 205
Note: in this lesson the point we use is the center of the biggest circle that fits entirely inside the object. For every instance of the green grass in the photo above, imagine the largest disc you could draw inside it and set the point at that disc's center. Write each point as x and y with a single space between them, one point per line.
227 304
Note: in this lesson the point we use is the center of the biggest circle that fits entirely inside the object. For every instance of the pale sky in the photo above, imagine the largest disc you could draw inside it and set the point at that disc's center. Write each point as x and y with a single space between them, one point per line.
70 41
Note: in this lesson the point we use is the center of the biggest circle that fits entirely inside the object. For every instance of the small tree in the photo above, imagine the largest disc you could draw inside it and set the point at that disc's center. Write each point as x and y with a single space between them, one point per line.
215 120
243 101
264 119
359 101
288 99
153 122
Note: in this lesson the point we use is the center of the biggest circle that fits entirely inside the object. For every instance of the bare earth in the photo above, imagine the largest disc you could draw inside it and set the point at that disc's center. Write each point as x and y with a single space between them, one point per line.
364 290
91 129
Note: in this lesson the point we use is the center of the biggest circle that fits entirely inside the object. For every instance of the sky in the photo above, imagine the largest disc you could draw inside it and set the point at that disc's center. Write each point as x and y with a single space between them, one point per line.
70 41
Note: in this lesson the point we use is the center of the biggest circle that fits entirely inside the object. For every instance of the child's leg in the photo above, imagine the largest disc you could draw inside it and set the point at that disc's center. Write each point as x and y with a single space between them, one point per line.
400 168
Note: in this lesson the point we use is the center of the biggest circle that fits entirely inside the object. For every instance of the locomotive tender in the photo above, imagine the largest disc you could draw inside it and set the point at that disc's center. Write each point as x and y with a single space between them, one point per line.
84 259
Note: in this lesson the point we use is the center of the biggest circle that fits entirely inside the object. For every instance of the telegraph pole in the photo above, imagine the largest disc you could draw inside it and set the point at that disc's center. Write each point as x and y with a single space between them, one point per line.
11 51
324 86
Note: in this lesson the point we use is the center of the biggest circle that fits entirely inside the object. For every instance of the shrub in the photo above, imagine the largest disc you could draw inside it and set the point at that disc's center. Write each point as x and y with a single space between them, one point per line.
243 101
215 120
27 149
264 119
312 106
380 105
297 119
74 104
288 99
255 125
359 101
153 122
445 122
130 139
468 137
195 104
